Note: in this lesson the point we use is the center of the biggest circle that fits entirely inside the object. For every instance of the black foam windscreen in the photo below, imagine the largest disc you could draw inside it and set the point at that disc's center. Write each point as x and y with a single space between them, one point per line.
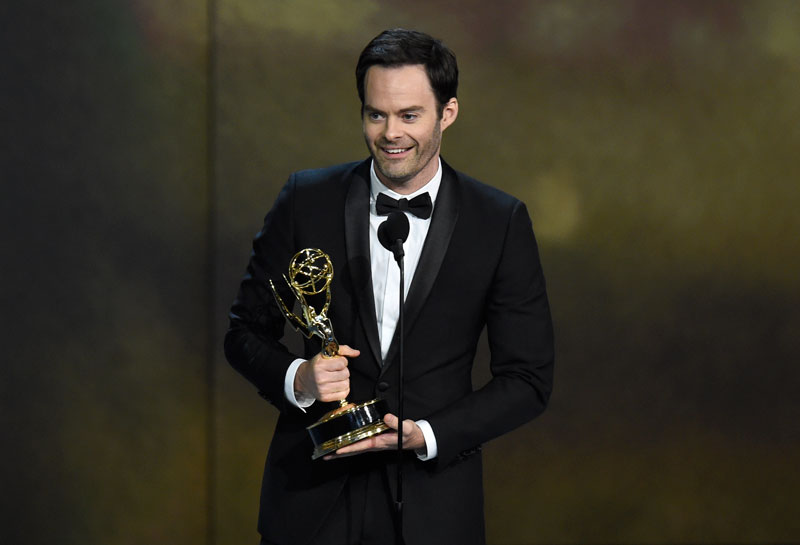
393 229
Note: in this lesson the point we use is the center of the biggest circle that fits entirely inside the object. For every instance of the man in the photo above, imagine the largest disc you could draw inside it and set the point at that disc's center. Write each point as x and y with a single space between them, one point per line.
472 263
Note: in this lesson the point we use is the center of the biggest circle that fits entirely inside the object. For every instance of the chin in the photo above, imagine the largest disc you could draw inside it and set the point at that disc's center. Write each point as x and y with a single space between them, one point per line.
398 178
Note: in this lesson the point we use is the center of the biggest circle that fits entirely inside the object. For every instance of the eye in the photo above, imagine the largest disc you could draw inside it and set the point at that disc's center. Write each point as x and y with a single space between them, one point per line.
409 117
374 116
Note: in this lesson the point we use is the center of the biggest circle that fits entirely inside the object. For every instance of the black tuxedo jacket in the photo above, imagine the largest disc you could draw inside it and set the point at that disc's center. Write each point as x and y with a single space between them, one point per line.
479 268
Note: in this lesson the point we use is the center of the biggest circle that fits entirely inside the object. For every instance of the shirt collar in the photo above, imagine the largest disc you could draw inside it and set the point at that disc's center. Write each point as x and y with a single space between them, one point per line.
376 186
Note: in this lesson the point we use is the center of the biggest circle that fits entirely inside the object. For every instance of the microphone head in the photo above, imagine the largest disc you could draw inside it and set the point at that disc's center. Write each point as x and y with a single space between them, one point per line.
393 229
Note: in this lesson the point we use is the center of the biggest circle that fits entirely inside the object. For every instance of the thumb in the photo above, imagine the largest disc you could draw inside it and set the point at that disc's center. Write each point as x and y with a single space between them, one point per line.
346 351
391 421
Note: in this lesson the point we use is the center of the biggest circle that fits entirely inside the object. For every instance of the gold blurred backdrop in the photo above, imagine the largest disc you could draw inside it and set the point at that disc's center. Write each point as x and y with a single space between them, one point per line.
653 141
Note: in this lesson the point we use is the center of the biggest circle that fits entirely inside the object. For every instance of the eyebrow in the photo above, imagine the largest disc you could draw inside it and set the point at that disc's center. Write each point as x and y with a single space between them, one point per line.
368 108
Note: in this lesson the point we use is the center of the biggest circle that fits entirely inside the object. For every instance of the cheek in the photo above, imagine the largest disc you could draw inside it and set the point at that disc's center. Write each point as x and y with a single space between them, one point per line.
366 127
370 134
426 138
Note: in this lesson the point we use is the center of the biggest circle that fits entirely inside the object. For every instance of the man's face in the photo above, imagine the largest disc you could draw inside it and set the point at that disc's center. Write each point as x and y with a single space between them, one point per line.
402 126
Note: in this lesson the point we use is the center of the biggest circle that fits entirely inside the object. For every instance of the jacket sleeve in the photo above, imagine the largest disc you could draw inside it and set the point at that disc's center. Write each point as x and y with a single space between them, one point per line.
520 333
252 343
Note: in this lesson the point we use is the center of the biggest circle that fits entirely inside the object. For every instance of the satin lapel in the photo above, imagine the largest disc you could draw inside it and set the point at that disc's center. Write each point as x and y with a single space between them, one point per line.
443 221
356 221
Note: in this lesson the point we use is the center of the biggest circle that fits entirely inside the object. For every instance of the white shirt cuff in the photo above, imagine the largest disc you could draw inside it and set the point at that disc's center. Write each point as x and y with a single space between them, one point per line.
295 398
431 451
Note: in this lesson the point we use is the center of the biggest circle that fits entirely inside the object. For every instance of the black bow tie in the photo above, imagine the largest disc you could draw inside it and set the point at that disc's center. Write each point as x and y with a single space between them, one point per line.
420 205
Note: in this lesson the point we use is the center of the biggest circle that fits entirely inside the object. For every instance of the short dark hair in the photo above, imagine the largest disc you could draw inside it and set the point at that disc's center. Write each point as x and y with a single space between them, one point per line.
401 47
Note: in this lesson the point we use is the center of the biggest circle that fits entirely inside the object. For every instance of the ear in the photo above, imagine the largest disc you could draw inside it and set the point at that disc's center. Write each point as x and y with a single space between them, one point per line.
449 113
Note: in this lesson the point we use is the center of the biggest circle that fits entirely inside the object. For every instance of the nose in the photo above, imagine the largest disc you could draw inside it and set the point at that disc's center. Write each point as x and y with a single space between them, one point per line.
393 128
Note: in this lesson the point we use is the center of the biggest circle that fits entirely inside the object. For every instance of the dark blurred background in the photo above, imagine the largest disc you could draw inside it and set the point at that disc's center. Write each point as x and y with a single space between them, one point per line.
655 143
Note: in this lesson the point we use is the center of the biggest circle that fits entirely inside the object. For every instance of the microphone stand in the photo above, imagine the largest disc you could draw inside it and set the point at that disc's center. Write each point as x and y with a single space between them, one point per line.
399 256
392 233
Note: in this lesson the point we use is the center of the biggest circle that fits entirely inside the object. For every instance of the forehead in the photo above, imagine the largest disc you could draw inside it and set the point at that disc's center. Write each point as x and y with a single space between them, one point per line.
399 87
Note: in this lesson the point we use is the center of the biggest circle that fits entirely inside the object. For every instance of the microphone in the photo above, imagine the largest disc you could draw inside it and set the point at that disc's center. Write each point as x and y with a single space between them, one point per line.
393 232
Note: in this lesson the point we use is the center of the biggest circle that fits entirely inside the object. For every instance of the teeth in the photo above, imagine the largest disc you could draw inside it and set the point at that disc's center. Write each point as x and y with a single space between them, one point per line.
396 150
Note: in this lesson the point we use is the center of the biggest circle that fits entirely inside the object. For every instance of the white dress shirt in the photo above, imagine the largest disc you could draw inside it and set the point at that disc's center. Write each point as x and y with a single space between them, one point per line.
385 284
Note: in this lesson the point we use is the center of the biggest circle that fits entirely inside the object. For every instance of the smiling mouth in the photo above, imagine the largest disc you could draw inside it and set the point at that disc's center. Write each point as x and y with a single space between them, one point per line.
395 151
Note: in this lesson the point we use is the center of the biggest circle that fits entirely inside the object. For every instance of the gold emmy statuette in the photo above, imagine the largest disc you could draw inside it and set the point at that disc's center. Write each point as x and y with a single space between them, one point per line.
310 275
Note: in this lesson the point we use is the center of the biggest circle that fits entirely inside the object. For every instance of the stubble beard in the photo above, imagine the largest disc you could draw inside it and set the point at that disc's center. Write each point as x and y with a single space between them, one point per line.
410 168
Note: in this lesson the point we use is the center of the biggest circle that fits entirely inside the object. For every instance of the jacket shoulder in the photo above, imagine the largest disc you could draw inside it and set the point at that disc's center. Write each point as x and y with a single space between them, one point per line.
316 176
484 195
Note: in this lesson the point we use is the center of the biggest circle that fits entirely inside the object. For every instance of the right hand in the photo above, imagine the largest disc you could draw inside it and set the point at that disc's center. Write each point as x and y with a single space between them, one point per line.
326 378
